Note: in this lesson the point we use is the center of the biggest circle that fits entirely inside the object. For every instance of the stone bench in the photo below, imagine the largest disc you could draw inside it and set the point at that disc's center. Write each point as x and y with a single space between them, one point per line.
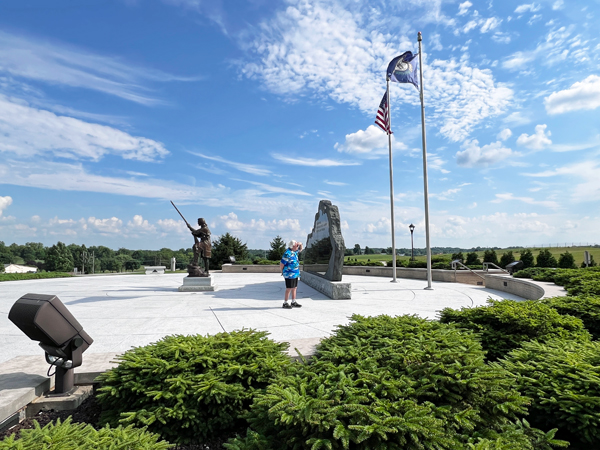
158 270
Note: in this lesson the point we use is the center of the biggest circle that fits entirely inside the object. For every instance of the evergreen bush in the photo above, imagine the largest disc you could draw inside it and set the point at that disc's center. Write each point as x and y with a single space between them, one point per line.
563 379
585 308
566 261
546 259
389 384
189 388
78 436
504 325
33 276
526 257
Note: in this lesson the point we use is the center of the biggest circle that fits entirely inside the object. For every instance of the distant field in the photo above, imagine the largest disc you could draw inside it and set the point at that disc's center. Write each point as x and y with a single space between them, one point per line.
577 253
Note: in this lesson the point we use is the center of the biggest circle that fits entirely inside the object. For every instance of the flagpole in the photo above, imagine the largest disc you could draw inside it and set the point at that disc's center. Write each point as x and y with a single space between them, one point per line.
426 193
391 180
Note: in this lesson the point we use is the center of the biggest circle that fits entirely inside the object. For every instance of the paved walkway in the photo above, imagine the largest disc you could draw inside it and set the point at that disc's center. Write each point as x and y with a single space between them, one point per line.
123 311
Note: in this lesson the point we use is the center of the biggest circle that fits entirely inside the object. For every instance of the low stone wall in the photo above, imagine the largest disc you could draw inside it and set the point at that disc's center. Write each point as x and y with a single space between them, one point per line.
447 276
335 290
250 268
514 286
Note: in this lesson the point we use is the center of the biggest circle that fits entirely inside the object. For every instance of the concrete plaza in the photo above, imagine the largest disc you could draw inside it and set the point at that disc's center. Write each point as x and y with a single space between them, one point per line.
123 311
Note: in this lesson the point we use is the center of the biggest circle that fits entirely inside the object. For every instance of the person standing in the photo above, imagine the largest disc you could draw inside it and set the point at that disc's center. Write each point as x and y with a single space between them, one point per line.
290 269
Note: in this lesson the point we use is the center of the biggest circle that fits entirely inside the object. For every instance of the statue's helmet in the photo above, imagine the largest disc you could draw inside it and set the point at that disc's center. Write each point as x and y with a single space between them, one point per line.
201 221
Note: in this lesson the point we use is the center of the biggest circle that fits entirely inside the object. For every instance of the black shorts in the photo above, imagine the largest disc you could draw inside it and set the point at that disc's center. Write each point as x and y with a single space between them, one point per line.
291 283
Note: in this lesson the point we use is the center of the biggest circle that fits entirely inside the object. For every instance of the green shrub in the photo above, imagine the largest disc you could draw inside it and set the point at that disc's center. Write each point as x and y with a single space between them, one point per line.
505 325
417 264
188 388
506 259
546 259
79 436
266 262
388 383
566 260
526 257
472 259
32 276
529 272
562 377
585 308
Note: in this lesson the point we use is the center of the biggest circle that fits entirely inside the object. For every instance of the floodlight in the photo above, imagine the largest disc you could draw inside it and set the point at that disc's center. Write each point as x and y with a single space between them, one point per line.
46 319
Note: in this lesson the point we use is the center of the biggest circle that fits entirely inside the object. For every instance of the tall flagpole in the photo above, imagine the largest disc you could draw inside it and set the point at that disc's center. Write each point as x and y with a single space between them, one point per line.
426 190
391 180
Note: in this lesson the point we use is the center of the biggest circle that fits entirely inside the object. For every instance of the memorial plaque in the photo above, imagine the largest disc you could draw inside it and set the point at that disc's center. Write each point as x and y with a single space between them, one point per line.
324 251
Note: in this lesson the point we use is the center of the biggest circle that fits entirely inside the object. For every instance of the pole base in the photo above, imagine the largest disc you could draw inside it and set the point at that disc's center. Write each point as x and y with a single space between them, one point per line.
428 288
393 281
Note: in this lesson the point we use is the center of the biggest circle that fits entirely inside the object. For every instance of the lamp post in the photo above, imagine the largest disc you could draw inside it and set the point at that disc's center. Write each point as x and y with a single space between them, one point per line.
411 227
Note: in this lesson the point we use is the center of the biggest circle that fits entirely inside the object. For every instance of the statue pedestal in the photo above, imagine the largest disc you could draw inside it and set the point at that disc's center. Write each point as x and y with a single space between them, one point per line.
196 284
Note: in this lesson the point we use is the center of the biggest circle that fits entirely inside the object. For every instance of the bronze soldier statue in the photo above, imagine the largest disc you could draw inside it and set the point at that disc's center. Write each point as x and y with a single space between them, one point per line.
202 247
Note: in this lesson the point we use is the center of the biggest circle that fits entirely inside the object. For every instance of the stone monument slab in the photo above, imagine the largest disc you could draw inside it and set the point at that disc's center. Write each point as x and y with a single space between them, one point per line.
325 244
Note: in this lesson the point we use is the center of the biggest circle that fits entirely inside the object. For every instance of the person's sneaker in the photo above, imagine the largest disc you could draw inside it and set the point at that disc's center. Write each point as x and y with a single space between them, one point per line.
296 305
286 305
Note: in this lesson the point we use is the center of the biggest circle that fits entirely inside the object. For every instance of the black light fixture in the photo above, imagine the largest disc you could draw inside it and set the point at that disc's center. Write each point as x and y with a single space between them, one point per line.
46 319
411 227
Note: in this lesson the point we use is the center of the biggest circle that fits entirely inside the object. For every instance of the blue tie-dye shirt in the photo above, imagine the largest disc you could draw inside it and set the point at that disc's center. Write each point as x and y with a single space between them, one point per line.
291 266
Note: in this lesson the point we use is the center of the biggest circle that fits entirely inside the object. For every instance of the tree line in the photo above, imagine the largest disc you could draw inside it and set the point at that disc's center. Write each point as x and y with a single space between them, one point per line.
94 259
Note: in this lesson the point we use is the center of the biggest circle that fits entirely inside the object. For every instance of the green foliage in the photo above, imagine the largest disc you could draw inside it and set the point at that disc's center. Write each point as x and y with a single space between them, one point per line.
472 259
490 256
504 325
387 383
32 276
527 259
78 436
225 246
189 388
566 261
546 259
563 379
278 247
59 259
585 308
506 259
266 262
356 249
366 263
458 255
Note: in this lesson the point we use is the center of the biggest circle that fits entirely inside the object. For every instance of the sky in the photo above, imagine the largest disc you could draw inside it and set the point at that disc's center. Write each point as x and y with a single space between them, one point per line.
249 112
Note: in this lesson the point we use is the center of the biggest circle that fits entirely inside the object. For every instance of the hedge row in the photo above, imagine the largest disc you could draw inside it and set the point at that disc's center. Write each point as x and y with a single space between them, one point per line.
576 281
32 276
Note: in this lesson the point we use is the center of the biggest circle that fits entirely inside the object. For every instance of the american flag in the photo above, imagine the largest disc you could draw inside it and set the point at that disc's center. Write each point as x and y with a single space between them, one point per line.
383 115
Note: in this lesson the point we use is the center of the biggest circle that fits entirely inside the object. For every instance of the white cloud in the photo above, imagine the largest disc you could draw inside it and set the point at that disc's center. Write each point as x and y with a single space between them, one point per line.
139 224
54 63
583 95
528 200
5 202
248 168
536 141
558 4
555 48
516 118
74 177
531 7
311 162
446 195
463 8
299 52
435 162
475 156
584 173
28 131
372 141
232 223
335 183
490 24
104 227
170 226
504 134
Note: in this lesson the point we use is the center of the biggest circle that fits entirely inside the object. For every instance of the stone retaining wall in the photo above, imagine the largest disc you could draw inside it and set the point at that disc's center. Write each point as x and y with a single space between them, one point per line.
514 286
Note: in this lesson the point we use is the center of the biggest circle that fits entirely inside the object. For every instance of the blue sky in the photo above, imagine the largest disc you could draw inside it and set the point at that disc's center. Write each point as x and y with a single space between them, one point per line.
247 113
